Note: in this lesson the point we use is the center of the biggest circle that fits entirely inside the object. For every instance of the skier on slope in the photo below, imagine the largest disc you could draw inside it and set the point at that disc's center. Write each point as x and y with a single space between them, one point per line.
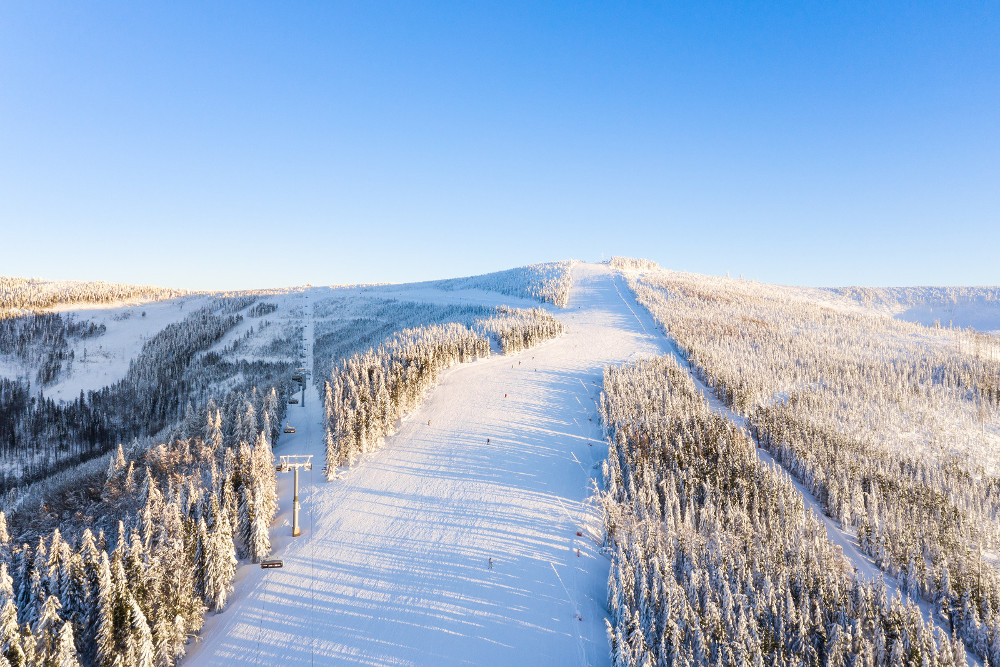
491 562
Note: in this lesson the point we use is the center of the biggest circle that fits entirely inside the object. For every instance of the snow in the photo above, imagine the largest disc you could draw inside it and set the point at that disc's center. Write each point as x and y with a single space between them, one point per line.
863 566
961 307
392 567
107 356
393 563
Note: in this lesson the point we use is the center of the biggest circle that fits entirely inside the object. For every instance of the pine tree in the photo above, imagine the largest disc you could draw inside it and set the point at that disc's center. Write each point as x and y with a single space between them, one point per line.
214 437
245 518
163 642
28 647
10 634
66 654
6 585
23 582
260 547
220 567
264 474
47 629
139 646
201 557
179 638
108 615
4 538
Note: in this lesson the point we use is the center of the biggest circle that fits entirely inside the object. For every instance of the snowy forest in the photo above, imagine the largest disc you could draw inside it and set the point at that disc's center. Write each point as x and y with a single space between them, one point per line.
134 485
548 283
154 543
128 509
892 426
714 558
31 293
40 436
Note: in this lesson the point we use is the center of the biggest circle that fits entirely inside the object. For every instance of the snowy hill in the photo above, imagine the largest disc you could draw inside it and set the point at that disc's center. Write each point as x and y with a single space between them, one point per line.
393 565
965 307
477 532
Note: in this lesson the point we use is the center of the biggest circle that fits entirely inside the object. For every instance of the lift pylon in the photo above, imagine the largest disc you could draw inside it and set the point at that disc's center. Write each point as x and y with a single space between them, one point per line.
293 463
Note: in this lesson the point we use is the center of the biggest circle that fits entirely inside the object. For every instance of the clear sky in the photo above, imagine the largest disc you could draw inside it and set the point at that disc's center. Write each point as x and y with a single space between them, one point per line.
228 145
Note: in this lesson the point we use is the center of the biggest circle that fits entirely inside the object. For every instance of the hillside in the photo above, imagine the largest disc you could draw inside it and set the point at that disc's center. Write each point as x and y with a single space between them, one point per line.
497 488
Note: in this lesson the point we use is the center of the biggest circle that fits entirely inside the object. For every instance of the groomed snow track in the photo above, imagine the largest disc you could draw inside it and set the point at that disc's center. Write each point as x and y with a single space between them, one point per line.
393 564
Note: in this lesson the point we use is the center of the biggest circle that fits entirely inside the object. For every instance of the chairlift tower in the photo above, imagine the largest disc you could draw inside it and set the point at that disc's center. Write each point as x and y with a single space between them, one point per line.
294 462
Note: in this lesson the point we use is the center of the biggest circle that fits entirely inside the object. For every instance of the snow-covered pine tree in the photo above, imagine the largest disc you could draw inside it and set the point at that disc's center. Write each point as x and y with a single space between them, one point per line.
47 629
66 653
260 530
4 538
10 634
220 566
108 614
139 647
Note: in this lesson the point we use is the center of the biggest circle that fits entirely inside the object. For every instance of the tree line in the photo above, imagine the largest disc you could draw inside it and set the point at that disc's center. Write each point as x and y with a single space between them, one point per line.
35 294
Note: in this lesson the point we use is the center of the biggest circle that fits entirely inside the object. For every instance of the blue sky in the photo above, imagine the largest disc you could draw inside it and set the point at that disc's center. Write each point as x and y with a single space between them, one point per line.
229 145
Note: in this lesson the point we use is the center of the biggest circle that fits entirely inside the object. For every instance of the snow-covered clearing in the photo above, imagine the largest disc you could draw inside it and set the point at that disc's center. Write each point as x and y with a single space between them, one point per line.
393 563
104 360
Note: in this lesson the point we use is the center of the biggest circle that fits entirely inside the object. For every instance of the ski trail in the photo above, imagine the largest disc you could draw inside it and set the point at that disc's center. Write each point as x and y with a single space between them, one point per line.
863 565
392 566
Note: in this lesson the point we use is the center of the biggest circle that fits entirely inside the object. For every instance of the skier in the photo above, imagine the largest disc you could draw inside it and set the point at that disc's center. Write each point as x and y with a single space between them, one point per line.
491 563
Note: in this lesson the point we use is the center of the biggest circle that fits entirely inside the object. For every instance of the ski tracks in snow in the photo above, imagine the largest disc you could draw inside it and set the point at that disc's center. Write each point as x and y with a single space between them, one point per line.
393 564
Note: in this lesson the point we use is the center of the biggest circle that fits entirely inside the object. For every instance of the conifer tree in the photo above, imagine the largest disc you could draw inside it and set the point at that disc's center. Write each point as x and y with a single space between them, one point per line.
4 538
6 585
261 531
139 646
10 634
47 629
108 615
66 654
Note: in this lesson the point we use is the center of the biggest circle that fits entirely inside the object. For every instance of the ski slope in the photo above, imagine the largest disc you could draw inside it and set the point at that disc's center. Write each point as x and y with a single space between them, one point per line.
392 567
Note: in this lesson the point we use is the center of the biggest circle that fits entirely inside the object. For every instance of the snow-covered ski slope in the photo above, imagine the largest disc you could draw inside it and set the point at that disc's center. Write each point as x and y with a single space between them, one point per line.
393 567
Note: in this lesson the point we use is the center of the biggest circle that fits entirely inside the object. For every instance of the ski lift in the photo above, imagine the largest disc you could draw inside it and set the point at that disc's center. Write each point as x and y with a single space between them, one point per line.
271 564
293 400
289 428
